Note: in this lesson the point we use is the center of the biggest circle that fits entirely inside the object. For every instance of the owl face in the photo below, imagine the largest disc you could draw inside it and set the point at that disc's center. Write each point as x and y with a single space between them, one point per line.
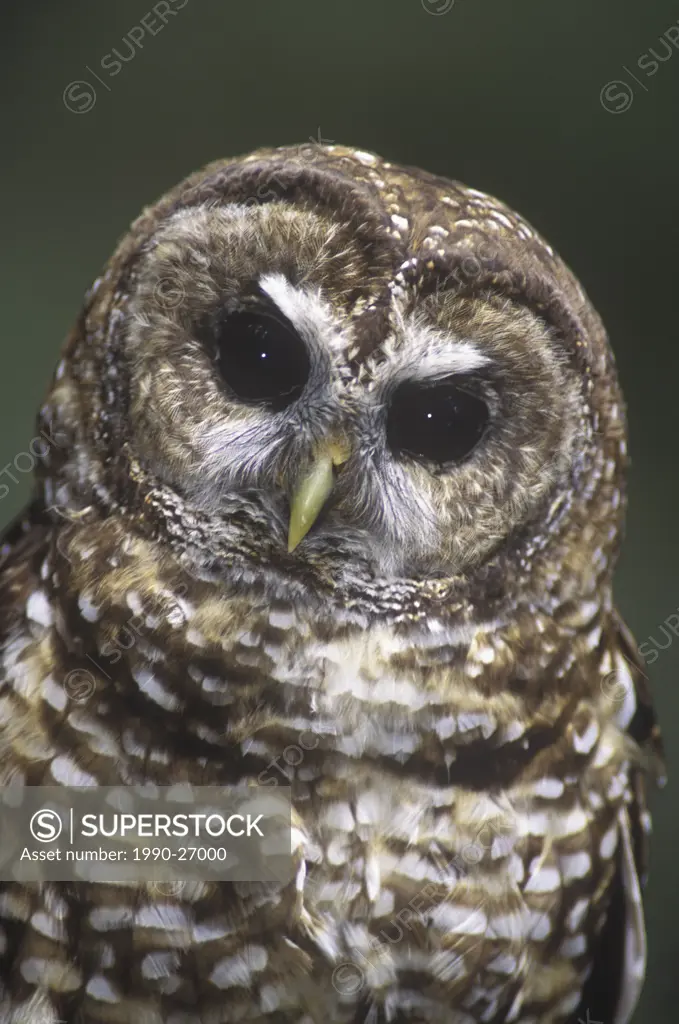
255 394
327 376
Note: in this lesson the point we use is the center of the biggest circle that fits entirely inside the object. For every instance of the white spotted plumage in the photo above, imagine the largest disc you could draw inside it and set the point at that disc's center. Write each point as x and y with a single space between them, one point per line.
436 667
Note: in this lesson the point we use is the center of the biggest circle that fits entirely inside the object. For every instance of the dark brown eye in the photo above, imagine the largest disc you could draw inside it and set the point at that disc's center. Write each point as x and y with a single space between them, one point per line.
438 422
262 358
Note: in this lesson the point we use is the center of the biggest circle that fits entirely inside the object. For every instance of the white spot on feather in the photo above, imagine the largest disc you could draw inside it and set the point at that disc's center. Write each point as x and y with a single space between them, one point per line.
575 865
89 611
628 706
549 788
609 842
154 690
101 989
459 919
67 772
237 970
338 815
162 916
53 694
585 742
545 879
39 609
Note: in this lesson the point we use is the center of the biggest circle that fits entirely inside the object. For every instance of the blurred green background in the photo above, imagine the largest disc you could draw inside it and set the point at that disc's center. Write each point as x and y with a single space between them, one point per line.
510 98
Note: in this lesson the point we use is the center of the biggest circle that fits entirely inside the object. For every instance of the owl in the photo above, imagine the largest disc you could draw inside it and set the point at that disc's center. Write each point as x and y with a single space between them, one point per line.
329 494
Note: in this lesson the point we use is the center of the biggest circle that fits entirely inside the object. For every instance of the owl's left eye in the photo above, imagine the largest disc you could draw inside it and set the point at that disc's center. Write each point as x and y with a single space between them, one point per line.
262 358
439 422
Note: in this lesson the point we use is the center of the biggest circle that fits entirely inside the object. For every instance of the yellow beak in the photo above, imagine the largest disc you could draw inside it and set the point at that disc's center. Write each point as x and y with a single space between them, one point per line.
313 490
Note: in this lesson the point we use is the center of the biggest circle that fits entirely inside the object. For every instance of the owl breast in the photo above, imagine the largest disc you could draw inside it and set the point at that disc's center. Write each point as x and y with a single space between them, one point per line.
453 847
428 882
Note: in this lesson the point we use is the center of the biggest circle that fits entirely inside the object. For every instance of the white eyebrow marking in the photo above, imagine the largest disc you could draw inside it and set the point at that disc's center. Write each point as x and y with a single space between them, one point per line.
443 356
312 317
426 352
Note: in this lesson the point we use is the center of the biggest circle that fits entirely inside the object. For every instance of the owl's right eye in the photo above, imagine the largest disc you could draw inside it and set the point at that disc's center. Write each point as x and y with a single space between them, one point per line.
261 358
440 422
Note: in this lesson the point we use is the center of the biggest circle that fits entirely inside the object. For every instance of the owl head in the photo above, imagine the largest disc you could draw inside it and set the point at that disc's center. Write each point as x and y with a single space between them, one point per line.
312 366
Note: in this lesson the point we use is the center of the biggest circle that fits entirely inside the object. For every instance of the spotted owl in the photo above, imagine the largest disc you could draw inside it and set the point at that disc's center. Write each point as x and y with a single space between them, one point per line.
345 440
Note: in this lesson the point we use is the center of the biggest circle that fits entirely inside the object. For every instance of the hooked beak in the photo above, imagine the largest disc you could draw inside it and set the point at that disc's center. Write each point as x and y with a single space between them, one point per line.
313 489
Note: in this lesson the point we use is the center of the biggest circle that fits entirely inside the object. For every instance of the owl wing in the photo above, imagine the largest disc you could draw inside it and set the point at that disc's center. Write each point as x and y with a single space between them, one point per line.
613 988
21 542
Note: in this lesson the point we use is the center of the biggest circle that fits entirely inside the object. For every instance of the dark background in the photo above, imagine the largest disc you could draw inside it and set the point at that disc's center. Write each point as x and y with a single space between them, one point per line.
507 97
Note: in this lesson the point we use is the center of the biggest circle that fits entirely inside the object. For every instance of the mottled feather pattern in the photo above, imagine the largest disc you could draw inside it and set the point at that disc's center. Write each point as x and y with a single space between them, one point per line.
437 669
